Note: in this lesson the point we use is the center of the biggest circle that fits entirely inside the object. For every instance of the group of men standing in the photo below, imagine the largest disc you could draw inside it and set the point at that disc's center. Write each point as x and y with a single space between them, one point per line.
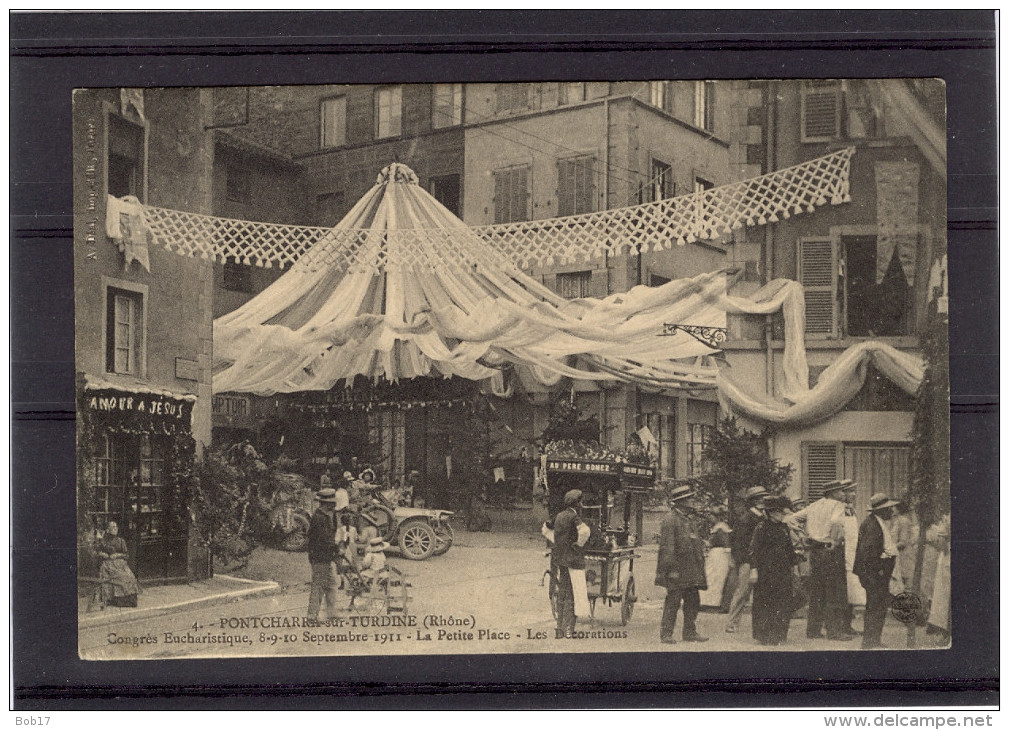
763 549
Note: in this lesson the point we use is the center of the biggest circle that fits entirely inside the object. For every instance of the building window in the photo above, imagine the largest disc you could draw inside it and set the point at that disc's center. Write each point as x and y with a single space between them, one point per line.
447 110
333 122
571 93
820 112
126 163
574 284
238 185
841 292
660 95
511 195
657 280
447 190
871 309
513 98
661 185
124 331
576 185
389 112
698 435
329 208
874 466
704 116
700 185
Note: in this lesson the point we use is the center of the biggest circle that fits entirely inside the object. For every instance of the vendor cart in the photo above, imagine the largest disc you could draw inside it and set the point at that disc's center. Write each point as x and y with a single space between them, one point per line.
612 497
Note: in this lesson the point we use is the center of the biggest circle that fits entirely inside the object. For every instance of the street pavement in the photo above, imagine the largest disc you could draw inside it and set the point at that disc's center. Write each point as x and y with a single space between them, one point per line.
486 595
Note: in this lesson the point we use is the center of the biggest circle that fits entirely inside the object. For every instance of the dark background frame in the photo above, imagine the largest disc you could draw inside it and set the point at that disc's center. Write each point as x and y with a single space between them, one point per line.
52 53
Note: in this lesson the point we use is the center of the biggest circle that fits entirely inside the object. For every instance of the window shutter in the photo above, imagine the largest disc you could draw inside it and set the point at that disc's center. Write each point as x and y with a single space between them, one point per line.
820 465
501 190
821 111
817 261
565 188
520 194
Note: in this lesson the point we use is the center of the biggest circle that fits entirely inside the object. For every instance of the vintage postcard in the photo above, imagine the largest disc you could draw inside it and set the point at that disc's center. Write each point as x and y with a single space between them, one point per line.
475 368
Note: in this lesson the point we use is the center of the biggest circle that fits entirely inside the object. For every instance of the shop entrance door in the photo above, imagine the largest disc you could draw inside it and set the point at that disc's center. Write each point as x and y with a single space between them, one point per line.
130 489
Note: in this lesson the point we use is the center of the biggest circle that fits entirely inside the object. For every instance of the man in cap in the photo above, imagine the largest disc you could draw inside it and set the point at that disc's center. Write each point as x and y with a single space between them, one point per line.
742 536
322 552
828 580
568 555
680 567
875 557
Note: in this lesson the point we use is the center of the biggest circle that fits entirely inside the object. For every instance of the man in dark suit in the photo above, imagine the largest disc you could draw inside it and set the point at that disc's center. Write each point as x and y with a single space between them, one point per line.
742 536
322 554
681 567
570 536
875 556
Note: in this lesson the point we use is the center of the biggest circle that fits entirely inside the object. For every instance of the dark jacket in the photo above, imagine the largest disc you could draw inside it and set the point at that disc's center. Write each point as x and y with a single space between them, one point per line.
681 554
772 554
322 538
871 569
742 536
566 552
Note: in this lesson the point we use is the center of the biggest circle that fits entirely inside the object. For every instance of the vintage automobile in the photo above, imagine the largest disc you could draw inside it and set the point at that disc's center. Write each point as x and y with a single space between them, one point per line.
417 533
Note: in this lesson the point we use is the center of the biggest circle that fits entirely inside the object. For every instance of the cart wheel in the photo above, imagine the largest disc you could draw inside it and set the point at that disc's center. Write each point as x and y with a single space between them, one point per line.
552 592
416 540
627 604
445 535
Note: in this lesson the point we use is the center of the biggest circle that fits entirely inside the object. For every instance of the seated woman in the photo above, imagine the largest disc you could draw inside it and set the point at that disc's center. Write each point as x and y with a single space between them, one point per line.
118 584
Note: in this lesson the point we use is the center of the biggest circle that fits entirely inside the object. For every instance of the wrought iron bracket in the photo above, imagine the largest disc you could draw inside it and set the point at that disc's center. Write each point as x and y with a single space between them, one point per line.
713 337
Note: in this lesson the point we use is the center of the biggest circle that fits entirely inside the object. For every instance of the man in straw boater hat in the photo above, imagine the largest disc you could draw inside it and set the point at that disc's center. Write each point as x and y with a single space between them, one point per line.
742 536
828 580
568 556
322 553
680 567
875 557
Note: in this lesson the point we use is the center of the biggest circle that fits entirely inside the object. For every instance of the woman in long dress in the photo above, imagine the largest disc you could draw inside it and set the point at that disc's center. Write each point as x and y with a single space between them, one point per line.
718 561
771 559
118 584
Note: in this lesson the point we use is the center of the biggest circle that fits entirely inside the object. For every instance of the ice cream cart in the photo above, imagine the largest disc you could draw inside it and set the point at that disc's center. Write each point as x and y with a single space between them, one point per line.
613 494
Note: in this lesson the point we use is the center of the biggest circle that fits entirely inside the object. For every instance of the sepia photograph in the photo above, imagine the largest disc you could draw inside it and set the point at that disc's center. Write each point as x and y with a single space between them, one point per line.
512 368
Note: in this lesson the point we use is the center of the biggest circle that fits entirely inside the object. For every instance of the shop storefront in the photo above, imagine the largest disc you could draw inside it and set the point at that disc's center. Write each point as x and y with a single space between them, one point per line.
135 452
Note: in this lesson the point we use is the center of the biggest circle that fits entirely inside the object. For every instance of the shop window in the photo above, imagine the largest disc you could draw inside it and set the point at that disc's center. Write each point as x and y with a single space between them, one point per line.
571 93
576 185
329 208
574 284
447 190
238 185
151 486
237 277
661 181
511 195
124 331
333 122
111 479
447 111
126 161
704 107
513 98
389 112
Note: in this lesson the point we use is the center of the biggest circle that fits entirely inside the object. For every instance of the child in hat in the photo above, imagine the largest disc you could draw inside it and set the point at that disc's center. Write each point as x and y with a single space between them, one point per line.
373 563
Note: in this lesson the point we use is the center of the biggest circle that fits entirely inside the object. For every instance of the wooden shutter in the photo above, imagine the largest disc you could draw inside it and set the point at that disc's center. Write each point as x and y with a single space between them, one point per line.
511 195
817 264
565 187
821 462
821 111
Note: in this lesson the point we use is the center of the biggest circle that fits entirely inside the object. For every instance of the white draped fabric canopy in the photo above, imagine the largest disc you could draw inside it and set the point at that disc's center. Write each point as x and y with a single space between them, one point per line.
424 295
